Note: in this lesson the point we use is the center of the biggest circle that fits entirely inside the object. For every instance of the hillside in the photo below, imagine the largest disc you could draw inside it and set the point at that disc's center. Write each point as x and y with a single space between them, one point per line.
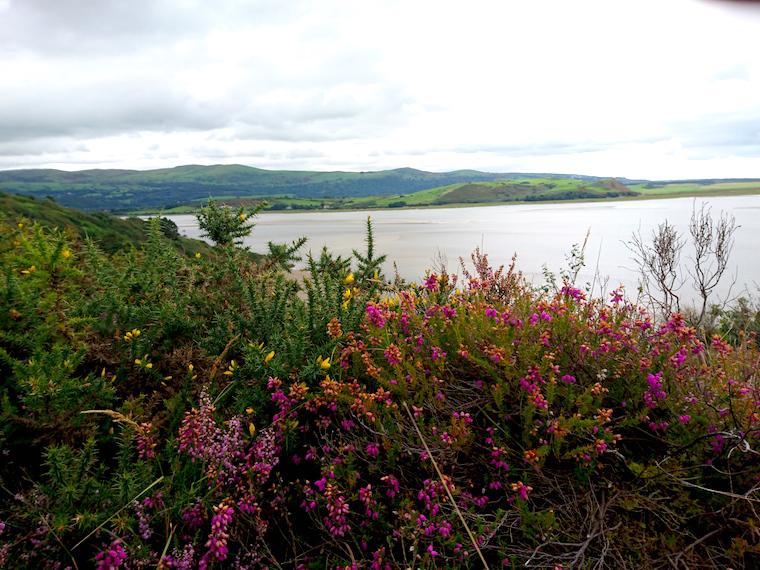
128 190
528 190
110 232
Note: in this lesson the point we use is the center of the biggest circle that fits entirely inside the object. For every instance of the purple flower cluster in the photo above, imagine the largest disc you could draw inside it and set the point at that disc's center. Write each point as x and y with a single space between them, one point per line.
198 429
111 558
193 516
375 316
336 520
655 391
217 539
146 441
264 455
180 560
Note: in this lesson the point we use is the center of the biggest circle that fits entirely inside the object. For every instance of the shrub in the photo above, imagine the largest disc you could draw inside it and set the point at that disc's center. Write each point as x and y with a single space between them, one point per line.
231 418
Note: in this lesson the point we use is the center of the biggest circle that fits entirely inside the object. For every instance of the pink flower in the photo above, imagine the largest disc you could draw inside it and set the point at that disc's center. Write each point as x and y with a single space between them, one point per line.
111 558
393 355
217 539
436 353
375 316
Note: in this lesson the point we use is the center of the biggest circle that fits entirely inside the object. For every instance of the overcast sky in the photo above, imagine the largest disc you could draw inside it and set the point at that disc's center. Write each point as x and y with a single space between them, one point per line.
643 89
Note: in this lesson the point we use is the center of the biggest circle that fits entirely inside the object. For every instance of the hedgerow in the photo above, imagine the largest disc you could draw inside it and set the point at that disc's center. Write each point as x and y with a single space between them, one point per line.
168 411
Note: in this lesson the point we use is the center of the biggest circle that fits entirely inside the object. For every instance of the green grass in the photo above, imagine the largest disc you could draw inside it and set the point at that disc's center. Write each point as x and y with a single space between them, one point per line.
493 193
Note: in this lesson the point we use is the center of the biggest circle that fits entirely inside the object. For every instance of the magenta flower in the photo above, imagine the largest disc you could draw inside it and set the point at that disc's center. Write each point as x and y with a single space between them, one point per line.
436 353
375 316
217 539
393 355
111 558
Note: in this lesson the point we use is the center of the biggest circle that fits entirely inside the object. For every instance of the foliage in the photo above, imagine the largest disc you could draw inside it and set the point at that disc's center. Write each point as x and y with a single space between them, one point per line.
165 410
225 226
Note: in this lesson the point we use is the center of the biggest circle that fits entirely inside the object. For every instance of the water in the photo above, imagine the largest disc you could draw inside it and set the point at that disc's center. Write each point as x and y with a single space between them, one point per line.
540 234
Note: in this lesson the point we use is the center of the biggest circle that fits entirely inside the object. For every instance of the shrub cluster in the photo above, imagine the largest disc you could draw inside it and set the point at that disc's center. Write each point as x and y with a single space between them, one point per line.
167 411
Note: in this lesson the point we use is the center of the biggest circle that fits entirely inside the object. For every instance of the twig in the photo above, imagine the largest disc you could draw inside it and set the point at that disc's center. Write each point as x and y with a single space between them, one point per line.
101 525
446 487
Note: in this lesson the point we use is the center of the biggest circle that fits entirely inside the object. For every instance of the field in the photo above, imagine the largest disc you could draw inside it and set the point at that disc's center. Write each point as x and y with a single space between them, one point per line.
493 193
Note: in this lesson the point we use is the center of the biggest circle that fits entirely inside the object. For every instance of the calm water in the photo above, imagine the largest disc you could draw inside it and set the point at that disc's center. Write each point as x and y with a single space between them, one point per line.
540 234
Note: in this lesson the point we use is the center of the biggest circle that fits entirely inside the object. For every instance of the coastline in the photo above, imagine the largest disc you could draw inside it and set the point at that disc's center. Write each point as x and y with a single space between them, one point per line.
653 196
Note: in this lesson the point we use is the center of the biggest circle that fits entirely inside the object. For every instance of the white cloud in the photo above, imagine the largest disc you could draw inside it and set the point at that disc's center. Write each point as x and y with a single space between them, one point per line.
648 89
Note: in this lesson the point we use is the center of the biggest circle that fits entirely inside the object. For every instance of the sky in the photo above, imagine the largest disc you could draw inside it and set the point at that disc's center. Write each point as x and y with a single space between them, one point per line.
658 89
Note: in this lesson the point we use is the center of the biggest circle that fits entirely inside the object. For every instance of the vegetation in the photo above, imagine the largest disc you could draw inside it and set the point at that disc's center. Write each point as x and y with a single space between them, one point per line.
174 411
184 188
128 190
109 232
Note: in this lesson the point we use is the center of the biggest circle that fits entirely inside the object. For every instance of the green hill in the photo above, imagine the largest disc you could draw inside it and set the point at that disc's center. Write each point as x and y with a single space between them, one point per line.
129 190
110 232
188 186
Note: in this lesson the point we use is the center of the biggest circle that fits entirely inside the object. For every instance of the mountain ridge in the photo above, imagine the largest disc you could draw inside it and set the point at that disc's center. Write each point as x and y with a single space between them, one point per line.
123 190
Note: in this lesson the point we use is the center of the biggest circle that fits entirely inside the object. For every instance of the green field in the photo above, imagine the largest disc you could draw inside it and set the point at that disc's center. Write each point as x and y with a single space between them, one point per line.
183 189
526 190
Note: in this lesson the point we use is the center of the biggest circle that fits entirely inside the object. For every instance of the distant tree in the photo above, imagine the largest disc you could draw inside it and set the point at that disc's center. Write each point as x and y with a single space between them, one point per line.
169 228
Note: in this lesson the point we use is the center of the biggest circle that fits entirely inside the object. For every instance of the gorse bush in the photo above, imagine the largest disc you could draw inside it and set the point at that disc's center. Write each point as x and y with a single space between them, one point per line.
173 411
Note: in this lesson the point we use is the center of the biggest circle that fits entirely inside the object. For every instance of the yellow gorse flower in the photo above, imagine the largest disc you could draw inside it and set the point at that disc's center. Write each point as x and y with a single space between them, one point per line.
231 368
346 294
249 410
66 253
197 255
242 217
251 429
144 362
323 363
349 280
268 358
131 335
31 269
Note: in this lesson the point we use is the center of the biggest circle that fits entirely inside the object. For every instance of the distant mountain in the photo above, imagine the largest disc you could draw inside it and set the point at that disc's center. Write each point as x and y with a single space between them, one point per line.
125 190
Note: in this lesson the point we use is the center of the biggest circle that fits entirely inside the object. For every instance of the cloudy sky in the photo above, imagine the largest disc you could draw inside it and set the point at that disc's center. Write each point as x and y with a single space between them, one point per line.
643 89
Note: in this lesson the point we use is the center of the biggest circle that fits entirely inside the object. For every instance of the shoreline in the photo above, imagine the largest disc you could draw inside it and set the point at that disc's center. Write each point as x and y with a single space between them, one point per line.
659 196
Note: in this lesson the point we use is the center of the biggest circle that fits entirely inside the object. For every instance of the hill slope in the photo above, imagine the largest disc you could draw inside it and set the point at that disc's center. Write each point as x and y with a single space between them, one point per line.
124 190
108 231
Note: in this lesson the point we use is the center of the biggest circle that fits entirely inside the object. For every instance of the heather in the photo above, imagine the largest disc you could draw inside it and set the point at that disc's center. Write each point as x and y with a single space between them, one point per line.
208 411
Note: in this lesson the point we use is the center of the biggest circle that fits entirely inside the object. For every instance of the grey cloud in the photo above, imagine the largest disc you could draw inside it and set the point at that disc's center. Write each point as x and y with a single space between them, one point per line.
98 110
60 27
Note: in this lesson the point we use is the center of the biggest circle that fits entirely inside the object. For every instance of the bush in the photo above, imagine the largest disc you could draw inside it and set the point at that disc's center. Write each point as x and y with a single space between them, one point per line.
173 411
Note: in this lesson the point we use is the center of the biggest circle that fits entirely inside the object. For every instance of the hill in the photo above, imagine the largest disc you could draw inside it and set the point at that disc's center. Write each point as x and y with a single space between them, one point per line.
110 232
129 190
